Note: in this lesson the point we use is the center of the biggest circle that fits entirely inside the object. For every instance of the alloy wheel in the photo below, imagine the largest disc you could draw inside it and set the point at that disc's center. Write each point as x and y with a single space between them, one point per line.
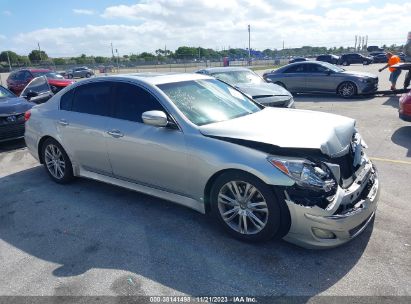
242 207
346 90
54 161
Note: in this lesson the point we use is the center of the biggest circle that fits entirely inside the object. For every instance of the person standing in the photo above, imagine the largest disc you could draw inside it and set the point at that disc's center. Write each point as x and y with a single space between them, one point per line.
395 73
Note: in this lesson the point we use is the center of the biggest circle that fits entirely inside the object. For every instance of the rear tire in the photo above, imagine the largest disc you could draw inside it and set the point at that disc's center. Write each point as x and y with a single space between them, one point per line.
345 63
347 89
56 162
245 207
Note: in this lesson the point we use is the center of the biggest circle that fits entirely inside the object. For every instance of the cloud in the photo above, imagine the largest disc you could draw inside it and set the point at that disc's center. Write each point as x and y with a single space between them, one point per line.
220 24
83 11
7 13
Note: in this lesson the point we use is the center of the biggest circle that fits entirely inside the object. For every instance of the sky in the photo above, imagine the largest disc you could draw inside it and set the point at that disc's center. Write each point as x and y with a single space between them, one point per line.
74 27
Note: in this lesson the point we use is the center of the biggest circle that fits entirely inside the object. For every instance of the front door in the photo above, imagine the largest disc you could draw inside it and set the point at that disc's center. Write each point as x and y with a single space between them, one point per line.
145 154
320 79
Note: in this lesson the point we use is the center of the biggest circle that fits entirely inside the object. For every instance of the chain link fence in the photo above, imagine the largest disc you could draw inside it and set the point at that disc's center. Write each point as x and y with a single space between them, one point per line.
126 66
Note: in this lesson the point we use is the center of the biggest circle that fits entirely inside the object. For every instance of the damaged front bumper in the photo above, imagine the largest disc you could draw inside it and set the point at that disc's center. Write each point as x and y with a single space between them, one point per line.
347 215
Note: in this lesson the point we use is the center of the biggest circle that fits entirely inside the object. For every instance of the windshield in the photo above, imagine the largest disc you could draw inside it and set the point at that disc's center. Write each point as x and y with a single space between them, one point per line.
234 77
332 67
4 93
207 101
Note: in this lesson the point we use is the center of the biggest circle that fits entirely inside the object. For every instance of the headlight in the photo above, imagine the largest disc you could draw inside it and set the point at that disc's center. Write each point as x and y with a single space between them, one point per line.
366 80
305 173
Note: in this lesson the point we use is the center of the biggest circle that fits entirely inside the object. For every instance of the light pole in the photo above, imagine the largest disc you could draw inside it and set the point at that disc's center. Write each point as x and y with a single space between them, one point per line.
249 45
118 61
8 59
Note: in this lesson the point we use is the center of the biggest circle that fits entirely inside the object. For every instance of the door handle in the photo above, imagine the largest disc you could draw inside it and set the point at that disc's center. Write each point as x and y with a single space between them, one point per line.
63 122
115 133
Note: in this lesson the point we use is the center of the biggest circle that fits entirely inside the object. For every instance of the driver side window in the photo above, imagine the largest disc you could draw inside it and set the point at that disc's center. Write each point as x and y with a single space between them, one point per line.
131 101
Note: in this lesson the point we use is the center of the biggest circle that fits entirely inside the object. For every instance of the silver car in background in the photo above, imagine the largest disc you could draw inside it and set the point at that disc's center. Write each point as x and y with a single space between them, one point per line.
248 82
81 72
261 172
322 77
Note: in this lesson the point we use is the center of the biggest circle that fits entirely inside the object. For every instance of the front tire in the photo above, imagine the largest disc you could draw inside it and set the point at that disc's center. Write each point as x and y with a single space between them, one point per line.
88 75
347 89
57 162
69 76
245 207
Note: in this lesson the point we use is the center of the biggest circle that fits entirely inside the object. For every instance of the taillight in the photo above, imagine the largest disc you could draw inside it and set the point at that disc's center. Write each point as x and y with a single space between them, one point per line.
27 115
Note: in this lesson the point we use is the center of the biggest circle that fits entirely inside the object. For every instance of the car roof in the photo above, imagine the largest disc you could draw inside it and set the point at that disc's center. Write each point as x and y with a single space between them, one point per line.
39 70
224 69
156 78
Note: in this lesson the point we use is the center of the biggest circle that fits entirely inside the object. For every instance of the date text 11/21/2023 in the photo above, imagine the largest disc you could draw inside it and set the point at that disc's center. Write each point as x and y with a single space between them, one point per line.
204 299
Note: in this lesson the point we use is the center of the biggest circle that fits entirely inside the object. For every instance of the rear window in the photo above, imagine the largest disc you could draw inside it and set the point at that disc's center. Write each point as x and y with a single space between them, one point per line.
92 98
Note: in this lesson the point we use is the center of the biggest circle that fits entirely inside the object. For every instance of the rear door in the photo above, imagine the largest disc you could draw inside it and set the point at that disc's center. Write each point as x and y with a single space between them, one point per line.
82 125
141 153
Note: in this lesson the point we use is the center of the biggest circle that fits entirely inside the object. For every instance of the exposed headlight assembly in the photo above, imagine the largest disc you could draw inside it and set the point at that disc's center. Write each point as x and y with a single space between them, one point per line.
305 173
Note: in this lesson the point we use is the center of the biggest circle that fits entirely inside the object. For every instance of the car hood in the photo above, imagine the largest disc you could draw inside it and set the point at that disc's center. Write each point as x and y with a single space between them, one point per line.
285 128
262 89
359 74
14 105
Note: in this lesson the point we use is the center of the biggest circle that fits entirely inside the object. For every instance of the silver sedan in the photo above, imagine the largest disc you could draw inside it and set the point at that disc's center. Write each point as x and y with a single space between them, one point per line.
261 172
322 77
247 81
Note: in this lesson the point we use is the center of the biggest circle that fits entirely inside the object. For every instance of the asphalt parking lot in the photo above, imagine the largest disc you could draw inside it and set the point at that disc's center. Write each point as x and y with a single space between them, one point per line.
89 238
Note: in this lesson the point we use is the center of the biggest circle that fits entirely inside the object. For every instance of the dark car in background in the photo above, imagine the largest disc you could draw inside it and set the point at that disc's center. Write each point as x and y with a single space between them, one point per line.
12 110
402 56
248 82
297 59
380 58
322 77
18 80
333 59
81 72
352 58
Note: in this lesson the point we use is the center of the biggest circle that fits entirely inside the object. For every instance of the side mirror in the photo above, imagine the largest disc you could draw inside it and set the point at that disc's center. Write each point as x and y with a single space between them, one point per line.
30 94
155 118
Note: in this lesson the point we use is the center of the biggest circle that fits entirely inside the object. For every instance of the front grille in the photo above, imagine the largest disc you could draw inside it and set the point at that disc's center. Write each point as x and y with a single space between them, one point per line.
11 131
277 104
12 119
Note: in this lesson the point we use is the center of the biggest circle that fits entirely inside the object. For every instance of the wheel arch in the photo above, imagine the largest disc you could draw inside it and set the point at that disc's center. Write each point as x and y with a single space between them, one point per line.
41 143
40 147
285 216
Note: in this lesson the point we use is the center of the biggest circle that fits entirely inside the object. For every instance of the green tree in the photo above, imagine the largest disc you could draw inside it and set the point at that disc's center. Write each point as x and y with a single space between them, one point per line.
14 58
36 55
100 59
59 61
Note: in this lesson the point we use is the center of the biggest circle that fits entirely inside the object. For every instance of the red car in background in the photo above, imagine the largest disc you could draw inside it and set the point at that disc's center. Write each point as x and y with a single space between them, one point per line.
405 107
17 80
